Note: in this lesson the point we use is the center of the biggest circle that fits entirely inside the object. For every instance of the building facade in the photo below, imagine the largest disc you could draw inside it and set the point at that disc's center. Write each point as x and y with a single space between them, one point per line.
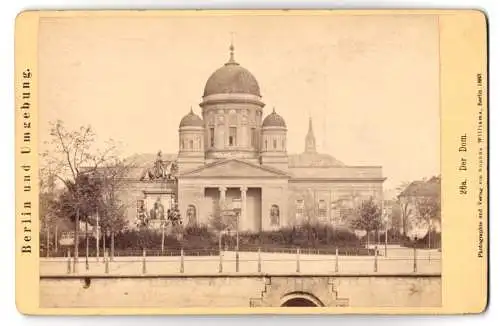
233 160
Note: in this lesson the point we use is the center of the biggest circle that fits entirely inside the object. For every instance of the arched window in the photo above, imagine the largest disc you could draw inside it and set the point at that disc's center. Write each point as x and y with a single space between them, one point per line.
265 144
275 215
190 144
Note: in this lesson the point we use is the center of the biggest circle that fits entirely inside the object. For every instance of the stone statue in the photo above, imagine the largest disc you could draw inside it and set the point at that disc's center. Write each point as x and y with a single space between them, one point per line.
161 170
191 215
158 211
142 215
275 215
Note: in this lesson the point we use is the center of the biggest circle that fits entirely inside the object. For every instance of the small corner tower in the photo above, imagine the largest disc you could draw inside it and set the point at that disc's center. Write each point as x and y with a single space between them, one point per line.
191 142
273 146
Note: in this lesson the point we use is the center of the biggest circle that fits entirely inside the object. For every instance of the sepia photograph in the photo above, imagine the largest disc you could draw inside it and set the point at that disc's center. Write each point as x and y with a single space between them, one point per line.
190 161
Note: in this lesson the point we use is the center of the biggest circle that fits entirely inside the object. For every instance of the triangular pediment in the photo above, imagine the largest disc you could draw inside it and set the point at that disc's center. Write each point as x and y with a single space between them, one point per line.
234 168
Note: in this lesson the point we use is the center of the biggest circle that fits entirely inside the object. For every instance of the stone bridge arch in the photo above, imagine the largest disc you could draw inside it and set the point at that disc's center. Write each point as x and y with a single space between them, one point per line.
300 299
296 291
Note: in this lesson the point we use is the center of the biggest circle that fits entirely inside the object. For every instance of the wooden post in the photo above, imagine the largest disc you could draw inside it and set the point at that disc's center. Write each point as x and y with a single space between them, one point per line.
415 256
220 243
112 246
87 245
182 260
220 261
76 238
375 267
69 261
106 262
385 245
162 237
97 235
143 261
298 260
336 260
48 241
259 263
75 265
237 261
103 243
56 245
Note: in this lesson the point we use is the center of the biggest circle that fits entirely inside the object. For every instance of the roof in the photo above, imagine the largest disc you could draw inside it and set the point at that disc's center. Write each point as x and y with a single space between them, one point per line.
191 120
232 78
147 159
313 159
423 188
337 172
274 120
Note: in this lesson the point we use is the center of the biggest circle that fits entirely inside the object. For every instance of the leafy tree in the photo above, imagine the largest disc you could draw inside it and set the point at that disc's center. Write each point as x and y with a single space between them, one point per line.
405 207
368 217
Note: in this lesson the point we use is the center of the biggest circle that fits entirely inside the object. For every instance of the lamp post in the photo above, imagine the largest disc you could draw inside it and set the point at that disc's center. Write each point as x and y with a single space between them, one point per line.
386 224
162 236
86 244
416 233
97 235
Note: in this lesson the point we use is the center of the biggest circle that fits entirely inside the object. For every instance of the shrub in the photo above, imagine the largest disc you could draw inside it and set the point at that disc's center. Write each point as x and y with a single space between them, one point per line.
198 239
423 243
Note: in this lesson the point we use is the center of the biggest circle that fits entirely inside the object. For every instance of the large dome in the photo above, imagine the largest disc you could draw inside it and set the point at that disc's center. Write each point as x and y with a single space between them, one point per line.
231 78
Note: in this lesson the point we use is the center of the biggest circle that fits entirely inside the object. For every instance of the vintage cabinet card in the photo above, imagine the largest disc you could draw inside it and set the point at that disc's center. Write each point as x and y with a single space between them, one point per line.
239 162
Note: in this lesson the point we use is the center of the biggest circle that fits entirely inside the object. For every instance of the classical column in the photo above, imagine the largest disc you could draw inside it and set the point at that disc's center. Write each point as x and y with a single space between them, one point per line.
222 196
244 223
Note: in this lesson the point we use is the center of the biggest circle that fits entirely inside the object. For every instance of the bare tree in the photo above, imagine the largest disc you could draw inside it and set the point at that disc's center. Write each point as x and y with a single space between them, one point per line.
73 159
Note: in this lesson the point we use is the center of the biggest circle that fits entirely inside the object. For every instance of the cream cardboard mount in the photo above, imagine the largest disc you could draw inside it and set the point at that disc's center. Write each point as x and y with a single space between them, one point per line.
318 162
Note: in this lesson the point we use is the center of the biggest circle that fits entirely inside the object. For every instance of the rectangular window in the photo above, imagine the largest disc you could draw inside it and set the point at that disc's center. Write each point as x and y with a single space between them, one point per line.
232 136
299 208
253 138
322 209
275 144
212 137
334 213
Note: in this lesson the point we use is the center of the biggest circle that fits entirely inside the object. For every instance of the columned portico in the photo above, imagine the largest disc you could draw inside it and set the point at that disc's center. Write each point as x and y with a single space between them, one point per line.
222 196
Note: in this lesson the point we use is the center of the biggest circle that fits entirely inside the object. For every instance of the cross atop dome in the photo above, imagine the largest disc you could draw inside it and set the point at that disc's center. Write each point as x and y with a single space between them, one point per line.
231 78
231 51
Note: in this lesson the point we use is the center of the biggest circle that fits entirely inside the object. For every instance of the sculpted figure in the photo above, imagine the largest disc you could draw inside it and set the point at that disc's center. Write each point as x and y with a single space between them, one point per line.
275 215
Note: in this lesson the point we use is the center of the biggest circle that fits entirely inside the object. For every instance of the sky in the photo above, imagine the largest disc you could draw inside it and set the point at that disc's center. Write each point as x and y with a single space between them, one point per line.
370 83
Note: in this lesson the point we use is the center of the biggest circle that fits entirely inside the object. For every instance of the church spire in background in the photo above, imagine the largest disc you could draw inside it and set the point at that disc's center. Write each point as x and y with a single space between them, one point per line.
310 139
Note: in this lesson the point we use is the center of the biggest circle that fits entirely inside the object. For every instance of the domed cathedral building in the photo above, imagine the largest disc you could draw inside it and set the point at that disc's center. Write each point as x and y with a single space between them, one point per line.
233 161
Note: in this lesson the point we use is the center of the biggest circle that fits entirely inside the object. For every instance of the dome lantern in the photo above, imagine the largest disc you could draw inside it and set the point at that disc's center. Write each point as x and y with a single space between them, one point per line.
232 78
